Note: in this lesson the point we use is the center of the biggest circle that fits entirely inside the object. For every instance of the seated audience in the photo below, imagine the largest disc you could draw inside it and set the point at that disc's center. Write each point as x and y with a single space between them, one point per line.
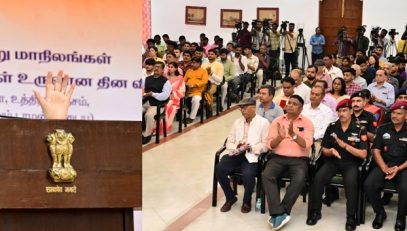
300 88
246 141
290 139
311 76
328 100
264 63
330 68
382 92
157 90
321 75
319 114
267 108
374 62
389 152
349 76
240 63
392 77
365 119
178 91
215 75
344 152
377 112
288 84
185 64
195 79
153 54
367 72
338 91
358 79
228 73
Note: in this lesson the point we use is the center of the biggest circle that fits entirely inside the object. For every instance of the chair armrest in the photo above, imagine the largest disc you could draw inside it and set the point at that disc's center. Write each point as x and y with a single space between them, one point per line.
264 158
368 161
316 157
219 151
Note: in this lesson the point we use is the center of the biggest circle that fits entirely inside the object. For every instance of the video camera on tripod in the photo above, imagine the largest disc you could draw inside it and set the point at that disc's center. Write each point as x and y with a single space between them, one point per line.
300 38
266 24
393 32
361 30
239 25
284 25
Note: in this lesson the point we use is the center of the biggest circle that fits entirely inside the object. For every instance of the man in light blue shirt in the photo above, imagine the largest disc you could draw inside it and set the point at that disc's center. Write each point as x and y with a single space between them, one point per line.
382 91
317 42
267 108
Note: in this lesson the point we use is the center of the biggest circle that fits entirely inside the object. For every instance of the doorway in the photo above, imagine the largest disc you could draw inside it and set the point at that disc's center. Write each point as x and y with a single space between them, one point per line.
334 14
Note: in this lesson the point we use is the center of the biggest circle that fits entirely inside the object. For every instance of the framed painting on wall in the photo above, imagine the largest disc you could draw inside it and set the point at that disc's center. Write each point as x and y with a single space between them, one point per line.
195 15
267 13
228 18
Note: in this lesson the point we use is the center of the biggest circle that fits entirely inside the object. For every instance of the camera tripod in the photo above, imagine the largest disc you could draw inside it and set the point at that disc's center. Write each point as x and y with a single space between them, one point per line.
391 49
301 44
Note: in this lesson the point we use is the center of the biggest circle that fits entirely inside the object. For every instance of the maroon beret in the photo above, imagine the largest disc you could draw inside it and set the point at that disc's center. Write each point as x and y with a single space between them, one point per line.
400 104
344 103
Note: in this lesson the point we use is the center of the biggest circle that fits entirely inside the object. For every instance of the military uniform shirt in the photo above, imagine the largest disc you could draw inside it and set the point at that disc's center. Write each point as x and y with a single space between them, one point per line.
366 121
392 144
354 136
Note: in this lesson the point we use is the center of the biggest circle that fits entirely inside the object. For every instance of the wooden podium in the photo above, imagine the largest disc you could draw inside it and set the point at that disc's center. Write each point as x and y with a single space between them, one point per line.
107 159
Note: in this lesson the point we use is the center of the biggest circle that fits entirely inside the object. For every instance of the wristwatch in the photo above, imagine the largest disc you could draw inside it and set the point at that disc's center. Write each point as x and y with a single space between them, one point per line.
295 137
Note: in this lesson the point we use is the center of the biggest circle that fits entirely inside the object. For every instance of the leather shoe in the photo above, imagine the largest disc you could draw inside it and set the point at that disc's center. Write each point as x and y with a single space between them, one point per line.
313 219
145 139
246 207
350 224
400 225
189 120
228 205
378 220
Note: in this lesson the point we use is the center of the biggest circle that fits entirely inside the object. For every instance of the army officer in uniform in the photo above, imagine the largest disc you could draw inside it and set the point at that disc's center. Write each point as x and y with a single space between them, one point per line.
390 155
344 147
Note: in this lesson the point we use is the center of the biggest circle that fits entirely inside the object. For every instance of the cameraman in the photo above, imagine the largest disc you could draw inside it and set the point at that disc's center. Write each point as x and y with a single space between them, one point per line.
244 37
402 44
361 41
343 41
274 37
257 35
317 42
290 48
383 41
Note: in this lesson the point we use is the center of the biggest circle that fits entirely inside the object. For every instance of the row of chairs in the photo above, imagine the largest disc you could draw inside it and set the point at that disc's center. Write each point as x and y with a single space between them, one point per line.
316 160
236 176
204 111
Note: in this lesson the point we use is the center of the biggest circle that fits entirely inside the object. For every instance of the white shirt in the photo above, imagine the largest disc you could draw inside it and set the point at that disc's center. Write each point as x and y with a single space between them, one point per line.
361 82
334 72
254 62
320 117
304 91
256 137
239 70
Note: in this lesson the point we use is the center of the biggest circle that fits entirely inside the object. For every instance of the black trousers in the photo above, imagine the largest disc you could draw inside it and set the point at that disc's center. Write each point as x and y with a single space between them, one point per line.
275 54
297 168
324 175
374 183
316 56
229 164
290 59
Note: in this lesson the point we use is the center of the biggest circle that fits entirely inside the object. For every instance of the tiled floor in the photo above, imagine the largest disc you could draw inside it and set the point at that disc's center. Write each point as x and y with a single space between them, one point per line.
177 180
